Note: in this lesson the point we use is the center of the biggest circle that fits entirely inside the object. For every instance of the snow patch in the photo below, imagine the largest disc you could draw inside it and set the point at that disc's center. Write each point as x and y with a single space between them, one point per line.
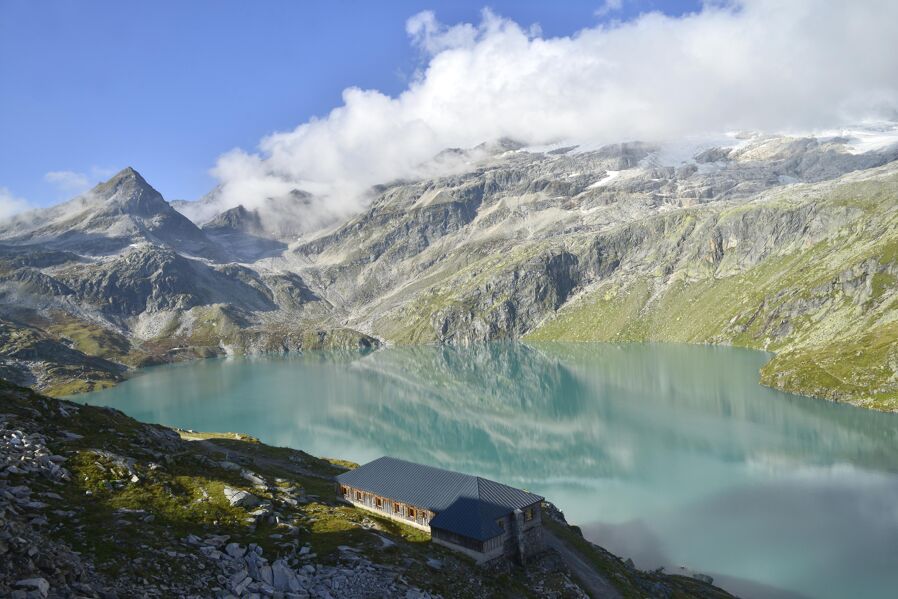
608 178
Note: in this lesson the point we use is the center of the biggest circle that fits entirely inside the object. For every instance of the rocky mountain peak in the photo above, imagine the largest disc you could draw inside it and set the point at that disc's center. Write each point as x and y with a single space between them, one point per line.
129 193
237 218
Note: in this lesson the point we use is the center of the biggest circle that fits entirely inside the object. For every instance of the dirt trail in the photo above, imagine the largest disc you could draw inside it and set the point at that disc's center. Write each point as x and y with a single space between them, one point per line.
596 585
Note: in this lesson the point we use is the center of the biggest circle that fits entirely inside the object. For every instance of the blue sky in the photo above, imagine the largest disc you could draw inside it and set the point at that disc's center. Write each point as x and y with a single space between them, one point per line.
167 87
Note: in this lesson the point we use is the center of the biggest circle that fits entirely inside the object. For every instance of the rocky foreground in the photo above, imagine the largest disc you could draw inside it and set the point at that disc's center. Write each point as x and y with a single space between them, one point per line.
95 504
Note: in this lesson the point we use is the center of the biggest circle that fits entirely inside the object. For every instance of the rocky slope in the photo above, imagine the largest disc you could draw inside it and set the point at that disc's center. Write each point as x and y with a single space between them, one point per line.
780 243
95 504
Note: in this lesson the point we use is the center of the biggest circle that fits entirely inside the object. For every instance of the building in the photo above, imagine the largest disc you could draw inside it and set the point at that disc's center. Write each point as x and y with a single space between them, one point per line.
476 516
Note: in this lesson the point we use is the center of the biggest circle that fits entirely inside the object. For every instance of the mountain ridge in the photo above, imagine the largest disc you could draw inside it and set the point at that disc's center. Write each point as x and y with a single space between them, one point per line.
778 243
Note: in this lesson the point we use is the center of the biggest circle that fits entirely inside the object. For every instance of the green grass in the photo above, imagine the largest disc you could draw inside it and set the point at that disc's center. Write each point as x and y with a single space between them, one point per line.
72 386
830 343
862 369
627 580
883 282
92 339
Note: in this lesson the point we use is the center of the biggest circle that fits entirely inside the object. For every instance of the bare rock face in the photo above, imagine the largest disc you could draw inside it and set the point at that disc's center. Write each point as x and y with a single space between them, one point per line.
244 234
150 278
237 219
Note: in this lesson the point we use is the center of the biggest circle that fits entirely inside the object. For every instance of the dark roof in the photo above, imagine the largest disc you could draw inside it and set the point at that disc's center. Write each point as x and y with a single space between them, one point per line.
464 504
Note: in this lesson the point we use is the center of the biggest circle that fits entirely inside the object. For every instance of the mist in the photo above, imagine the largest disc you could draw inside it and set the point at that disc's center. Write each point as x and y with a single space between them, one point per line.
758 65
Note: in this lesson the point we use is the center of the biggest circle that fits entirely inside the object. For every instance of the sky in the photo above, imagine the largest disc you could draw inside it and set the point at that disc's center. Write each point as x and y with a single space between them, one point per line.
166 87
264 97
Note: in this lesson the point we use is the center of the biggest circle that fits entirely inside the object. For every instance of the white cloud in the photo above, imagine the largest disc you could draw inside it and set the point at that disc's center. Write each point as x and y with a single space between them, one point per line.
10 204
71 183
752 64
609 6
68 181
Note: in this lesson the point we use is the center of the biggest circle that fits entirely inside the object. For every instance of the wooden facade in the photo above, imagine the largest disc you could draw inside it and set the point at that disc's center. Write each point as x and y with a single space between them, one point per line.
406 513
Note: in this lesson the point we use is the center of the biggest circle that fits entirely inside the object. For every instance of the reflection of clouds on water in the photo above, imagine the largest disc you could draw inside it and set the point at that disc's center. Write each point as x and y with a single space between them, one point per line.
674 453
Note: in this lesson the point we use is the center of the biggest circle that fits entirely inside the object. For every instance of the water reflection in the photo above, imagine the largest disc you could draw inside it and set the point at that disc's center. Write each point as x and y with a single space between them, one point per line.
670 454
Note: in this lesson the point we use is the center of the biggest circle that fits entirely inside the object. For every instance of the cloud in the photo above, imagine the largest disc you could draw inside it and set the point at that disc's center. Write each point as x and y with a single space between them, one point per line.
68 181
11 205
608 7
752 64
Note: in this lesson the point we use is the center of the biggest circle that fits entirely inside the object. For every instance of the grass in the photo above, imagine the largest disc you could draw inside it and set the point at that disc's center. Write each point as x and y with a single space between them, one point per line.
91 339
807 304
630 583
65 386
863 369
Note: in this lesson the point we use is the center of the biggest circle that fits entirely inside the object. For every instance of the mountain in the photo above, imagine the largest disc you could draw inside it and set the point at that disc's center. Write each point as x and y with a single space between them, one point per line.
244 233
113 215
781 243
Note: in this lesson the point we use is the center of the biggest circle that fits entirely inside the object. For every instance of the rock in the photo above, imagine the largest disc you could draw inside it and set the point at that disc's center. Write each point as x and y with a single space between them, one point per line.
283 577
39 584
238 577
240 498
240 587
265 574
235 550
216 540
253 478
211 552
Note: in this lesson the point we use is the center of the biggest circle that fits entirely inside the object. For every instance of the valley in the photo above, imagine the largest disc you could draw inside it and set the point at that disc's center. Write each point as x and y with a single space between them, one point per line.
786 244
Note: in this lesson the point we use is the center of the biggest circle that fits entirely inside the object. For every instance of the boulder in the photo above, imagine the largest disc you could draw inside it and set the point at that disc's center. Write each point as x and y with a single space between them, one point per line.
235 550
239 498
253 478
39 584
283 577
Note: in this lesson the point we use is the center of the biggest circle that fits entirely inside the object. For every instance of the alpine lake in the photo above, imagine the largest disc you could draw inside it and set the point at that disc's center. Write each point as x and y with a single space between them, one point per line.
671 455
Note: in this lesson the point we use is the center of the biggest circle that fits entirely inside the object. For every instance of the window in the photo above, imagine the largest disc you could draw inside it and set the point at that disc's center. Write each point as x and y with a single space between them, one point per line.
501 523
528 514
411 513
344 491
379 502
396 508
358 495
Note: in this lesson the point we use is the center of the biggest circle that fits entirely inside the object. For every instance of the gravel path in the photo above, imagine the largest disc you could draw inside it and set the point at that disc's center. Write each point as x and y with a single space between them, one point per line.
596 585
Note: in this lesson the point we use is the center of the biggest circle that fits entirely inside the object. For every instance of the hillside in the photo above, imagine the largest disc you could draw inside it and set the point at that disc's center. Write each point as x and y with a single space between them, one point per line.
96 504
786 244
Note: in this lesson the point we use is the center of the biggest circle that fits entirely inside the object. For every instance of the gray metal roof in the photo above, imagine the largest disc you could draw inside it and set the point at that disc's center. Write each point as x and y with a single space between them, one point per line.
464 504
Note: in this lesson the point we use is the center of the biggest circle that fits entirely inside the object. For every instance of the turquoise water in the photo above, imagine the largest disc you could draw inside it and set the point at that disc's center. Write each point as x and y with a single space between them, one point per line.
671 455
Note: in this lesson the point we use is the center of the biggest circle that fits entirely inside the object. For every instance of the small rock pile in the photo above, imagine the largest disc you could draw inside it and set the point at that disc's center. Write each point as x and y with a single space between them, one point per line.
32 566
246 573
22 453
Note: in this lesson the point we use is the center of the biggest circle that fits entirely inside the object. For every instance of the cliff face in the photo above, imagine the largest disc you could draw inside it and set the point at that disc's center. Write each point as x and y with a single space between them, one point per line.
778 243
701 254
